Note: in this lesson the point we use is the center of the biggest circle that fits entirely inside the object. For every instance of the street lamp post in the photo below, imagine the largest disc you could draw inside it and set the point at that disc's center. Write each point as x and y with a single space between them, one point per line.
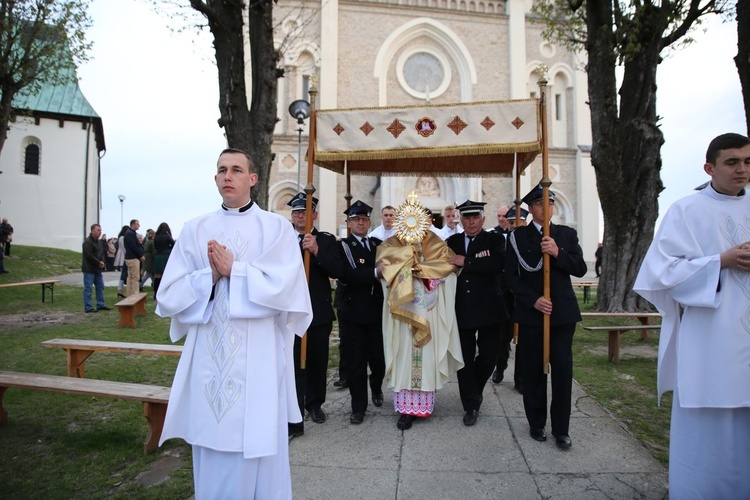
299 109
121 197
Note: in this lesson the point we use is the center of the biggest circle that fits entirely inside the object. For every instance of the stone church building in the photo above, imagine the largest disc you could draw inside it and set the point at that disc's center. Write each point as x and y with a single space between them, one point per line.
367 53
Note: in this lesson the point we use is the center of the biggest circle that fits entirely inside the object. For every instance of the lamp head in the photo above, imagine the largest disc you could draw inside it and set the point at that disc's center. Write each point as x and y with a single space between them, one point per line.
121 197
300 109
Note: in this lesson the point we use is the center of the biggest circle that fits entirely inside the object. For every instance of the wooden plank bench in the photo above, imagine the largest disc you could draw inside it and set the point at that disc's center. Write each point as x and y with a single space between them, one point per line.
78 351
643 317
133 305
154 398
46 285
613 349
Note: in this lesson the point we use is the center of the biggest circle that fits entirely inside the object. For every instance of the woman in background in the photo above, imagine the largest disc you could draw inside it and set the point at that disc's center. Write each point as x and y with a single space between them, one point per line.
163 243
120 261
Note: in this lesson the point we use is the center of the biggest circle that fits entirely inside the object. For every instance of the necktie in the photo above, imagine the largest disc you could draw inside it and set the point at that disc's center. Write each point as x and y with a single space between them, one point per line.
366 244
469 240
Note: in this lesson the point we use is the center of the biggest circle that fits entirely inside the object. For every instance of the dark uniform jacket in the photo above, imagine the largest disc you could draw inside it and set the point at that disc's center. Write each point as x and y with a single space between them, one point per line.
93 253
528 286
479 294
360 294
321 268
133 248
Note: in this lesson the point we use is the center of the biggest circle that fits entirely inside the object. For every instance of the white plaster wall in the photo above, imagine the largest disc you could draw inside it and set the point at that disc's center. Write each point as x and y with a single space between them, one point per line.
48 209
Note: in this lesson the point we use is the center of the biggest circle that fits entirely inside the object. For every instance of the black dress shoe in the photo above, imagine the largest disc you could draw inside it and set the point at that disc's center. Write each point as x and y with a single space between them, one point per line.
538 434
317 415
470 417
341 383
405 422
105 308
296 430
357 418
91 311
377 399
121 295
497 377
518 388
563 441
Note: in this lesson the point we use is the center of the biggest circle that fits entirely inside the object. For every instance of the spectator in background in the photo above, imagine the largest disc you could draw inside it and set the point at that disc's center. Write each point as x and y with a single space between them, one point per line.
7 235
111 252
163 243
2 248
133 256
598 255
92 265
120 261
450 226
148 261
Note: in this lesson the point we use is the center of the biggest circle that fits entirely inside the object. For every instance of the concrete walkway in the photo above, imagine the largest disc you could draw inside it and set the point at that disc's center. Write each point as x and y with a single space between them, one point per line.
440 458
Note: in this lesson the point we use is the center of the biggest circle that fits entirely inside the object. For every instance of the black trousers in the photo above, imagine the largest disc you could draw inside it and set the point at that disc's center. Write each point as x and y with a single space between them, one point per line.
535 381
478 366
311 382
364 347
506 337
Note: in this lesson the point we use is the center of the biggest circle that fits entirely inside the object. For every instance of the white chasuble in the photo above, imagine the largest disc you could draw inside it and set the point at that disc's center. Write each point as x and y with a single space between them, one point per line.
237 369
704 353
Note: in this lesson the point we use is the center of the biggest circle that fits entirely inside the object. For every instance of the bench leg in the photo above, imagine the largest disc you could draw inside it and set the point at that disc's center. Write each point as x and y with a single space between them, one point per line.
3 413
155 413
51 288
76 358
644 321
614 346
126 316
140 307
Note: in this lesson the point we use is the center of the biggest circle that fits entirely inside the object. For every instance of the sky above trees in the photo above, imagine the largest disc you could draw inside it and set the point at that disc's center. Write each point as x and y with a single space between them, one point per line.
157 94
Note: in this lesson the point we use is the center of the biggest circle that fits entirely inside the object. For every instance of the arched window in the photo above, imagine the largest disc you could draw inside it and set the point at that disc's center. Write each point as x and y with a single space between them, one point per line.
32 158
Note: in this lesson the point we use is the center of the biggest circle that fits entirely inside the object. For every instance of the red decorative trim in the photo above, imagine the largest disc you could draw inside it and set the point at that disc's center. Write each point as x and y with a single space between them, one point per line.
338 129
457 125
487 123
425 127
518 123
366 128
396 128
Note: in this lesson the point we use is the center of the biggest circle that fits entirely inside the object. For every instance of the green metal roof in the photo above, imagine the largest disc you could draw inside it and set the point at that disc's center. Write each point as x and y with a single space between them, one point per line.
62 101
65 99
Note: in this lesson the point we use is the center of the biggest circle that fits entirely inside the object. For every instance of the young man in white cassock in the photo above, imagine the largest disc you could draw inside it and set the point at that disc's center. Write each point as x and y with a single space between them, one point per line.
235 285
697 274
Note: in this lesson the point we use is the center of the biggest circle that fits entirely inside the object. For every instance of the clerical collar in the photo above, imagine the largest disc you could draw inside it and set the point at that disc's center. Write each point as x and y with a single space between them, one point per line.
738 195
241 209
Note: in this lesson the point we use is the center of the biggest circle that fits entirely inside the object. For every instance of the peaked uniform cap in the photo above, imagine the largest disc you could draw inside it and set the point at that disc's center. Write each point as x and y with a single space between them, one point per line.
511 214
537 194
299 202
471 208
358 208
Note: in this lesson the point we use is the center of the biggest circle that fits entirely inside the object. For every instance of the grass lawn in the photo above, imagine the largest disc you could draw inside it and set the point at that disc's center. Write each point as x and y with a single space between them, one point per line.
65 446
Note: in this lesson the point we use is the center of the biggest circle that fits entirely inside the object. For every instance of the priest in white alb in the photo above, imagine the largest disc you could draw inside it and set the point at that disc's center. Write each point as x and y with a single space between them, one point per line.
420 333
697 274
235 286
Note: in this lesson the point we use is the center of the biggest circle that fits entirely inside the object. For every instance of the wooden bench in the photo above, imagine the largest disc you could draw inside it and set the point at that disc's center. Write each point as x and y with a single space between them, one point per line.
586 284
130 306
154 398
613 349
46 285
79 350
643 317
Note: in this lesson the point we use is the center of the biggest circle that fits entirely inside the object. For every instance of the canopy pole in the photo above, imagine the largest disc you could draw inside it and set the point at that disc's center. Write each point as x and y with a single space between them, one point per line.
545 183
309 190
517 222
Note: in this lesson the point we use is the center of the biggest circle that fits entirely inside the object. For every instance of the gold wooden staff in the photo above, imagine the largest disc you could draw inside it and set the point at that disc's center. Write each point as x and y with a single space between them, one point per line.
517 222
545 183
309 190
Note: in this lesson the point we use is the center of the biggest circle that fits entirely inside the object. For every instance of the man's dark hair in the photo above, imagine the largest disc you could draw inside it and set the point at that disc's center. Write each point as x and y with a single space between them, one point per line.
387 207
133 222
93 226
239 151
722 142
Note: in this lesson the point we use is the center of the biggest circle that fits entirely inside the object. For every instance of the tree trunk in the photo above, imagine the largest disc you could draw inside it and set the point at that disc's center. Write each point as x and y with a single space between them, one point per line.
265 59
742 59
626 148
6 112
249 128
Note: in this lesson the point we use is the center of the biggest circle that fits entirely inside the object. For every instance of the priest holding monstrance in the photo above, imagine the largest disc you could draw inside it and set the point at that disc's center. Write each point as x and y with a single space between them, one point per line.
420 332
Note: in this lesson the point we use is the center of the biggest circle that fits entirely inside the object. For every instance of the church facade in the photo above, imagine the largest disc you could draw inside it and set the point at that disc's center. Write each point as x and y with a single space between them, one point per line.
368 53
